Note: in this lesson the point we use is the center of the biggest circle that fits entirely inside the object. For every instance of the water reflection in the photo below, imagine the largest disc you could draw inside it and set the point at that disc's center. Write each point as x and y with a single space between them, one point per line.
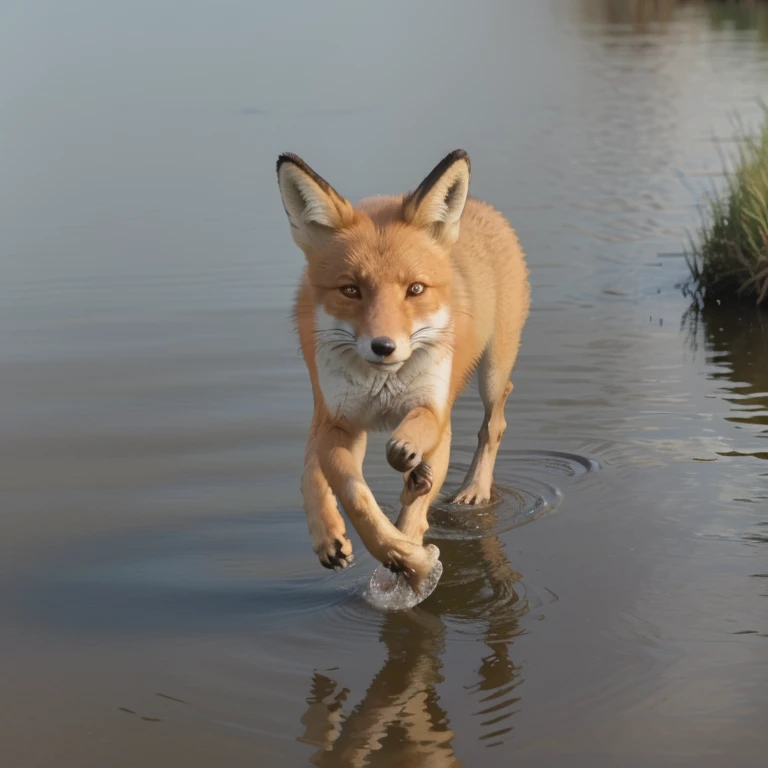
743 17
643 16
739 340
736 340
402 719
638 14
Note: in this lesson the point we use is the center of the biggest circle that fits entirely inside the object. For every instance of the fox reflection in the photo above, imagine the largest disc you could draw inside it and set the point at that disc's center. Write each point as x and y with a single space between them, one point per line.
401 719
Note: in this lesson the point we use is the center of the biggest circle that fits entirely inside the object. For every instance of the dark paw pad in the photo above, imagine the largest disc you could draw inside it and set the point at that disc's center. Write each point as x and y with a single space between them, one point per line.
337 559
420 479
401 455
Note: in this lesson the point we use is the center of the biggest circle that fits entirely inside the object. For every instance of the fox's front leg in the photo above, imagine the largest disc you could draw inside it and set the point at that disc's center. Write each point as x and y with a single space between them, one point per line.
417 436
419 447
340 454
326 525
422 484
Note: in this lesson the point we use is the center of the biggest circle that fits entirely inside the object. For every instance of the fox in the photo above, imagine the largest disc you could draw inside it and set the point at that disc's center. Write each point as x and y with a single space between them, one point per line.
401 301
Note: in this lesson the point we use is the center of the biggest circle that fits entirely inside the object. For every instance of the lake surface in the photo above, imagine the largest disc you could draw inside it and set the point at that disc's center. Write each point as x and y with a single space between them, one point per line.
159 601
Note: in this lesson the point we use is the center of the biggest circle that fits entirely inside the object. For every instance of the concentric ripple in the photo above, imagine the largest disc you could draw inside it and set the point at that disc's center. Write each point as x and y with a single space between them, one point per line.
524 492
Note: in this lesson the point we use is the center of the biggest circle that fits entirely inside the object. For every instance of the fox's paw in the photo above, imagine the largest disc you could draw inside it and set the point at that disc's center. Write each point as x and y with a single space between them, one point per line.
417 566
335 553
420 479
401 455
473 494
412 566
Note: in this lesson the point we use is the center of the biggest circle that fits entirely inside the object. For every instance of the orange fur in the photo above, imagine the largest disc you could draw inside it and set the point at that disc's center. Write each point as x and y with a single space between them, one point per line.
442 280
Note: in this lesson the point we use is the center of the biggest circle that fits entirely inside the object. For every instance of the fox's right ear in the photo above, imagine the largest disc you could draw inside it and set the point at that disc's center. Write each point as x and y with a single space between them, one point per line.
313 206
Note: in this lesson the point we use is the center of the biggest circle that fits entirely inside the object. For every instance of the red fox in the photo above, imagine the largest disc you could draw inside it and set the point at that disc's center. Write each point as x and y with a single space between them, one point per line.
402 299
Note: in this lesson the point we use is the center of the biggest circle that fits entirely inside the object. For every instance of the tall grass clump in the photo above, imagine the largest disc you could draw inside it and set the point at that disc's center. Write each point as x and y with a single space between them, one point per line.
728 256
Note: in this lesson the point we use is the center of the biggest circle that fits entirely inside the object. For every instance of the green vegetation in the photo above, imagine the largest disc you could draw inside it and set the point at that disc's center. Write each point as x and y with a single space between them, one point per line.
742 17
729 255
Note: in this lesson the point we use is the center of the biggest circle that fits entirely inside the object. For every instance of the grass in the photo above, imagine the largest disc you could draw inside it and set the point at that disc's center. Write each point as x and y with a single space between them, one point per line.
728 256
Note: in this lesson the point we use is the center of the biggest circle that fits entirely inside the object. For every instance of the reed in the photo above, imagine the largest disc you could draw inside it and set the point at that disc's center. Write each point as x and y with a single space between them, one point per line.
728 256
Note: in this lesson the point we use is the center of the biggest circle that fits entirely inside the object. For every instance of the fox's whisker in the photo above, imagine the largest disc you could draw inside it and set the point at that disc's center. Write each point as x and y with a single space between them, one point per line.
343 345
334 345
340 332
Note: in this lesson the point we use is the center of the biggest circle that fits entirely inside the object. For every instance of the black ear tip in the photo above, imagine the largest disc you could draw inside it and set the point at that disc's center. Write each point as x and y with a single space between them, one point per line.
289 157
458 154
285 157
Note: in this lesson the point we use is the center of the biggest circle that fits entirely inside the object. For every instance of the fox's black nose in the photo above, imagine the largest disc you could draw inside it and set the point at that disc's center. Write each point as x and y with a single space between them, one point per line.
383 346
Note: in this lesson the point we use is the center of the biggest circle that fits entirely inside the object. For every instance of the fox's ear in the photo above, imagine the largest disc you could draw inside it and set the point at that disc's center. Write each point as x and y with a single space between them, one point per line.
313 206
439 201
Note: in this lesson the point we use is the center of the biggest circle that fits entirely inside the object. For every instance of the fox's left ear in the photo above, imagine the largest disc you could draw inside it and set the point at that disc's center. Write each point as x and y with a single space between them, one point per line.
439 201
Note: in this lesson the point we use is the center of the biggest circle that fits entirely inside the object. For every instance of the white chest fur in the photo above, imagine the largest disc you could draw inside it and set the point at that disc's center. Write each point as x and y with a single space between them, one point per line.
378 399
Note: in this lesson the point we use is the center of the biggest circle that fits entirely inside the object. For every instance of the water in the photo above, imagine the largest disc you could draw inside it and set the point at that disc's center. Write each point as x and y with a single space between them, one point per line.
160 602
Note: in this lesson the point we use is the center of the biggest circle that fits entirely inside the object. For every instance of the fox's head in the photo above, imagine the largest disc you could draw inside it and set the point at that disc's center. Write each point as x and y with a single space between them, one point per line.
381 273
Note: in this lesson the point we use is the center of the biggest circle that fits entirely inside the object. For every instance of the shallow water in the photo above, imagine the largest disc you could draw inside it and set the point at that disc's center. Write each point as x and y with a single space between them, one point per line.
160 602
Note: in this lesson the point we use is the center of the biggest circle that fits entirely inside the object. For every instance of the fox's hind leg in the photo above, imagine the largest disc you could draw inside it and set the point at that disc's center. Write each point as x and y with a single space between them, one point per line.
493 377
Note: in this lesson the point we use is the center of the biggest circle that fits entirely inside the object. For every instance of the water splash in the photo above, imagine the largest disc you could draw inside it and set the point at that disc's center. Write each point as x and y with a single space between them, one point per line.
389 591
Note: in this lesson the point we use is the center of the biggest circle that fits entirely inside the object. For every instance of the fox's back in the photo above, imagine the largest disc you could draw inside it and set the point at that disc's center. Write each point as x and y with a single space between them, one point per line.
490 263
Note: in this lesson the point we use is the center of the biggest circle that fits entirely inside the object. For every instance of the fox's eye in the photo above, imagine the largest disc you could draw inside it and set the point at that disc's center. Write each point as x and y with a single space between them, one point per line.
350 291
416 289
